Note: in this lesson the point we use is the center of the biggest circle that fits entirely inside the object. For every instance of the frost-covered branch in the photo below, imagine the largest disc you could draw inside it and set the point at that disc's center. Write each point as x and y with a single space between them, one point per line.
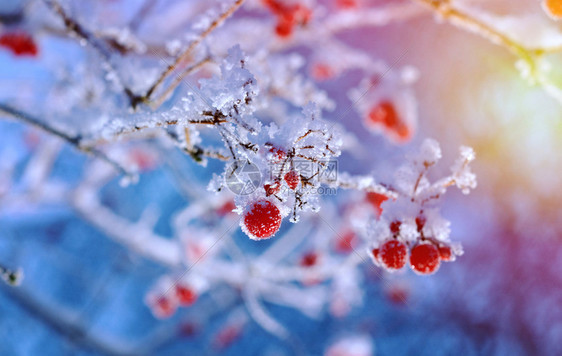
184 55
74 140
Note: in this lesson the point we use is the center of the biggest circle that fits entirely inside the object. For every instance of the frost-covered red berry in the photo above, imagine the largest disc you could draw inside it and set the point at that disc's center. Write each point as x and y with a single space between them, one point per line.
309 259
445 253
20 43
284 29
262 220
385 116
376 254
302 14
395 227
272 188
376 199
424 258
288 16
293 179
185 295
163 307
276 154
393 254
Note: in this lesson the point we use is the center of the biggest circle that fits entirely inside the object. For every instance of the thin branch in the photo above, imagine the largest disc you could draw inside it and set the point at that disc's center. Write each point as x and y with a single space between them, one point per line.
530 56
177 81
77 29
74 27
362 183
187 52
74 140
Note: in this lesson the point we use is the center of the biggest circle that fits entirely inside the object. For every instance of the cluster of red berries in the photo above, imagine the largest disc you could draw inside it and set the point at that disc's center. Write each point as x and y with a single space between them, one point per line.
385 116
292 178
425 257
262 220
165 305
20 43
288 16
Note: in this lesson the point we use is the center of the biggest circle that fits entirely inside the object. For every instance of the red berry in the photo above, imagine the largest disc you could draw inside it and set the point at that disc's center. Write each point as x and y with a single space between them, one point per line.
376 254
445 253
393 254
163 307
271 189
376 199
322 71
284 28
292 178
185 295
288 16
424 258
20 43
301 14
345 243
226 208
309 259
395 227
277 154
346 4
385 115
262 220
